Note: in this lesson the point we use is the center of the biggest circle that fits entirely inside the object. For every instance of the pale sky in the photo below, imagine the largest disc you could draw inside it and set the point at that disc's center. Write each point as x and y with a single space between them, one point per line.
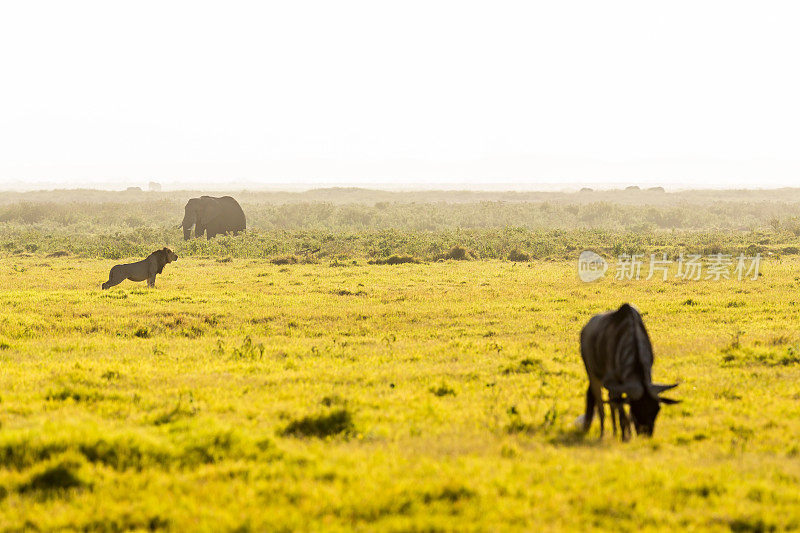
517 95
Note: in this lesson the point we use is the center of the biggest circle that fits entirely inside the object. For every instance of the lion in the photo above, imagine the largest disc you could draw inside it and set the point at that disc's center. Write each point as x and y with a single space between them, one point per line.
145 269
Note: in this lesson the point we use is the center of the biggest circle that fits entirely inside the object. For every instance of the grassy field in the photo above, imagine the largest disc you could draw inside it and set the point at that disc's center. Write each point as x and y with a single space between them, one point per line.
243 395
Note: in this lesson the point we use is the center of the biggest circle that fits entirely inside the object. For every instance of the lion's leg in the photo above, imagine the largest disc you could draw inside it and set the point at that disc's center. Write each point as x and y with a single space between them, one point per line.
114 278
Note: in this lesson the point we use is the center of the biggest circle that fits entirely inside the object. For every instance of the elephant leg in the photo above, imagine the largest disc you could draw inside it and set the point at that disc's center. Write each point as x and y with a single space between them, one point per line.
151 281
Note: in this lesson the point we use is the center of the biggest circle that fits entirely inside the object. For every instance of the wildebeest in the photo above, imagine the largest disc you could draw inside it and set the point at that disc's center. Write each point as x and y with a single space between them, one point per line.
146 269
618 356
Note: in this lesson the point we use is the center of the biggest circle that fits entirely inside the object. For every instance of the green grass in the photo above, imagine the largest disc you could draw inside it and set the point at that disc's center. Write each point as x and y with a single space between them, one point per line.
246 395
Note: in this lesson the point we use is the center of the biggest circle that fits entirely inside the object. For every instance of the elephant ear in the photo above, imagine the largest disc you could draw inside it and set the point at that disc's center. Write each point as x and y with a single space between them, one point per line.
211 209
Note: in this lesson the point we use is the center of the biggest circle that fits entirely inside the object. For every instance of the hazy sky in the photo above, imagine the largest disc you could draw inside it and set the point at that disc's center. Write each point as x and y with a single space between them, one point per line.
399 94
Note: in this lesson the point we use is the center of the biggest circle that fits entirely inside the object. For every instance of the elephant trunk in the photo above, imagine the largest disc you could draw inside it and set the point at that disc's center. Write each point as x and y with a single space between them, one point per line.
188 222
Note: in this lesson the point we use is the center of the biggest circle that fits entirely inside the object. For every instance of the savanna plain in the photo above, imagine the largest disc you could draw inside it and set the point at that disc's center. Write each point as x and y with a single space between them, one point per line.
340 367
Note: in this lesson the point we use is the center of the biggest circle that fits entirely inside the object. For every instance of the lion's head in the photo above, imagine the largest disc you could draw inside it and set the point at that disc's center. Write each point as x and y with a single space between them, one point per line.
164 256
170 255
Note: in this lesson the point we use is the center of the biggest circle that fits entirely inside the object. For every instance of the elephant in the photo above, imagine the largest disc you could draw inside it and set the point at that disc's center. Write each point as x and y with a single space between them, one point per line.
212 216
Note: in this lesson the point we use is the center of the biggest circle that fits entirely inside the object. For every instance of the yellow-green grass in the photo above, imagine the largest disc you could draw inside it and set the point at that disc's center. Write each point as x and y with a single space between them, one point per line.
169 407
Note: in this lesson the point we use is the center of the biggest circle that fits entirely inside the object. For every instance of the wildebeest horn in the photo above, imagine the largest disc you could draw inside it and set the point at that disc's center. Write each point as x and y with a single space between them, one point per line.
668 401
657 388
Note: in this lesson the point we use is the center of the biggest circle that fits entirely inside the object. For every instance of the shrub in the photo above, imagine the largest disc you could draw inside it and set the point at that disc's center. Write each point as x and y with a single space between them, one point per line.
526 366
328 401
395 260
458 253
336 422
60 474
517 255
249 350
285 260
443 390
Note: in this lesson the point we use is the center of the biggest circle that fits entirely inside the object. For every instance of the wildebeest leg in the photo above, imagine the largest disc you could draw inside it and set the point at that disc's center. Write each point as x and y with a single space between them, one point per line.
601 414
151 281
597 393
589 414
624 422
613 417
601 410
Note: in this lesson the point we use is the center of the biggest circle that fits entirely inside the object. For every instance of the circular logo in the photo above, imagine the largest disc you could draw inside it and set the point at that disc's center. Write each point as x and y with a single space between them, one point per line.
591 266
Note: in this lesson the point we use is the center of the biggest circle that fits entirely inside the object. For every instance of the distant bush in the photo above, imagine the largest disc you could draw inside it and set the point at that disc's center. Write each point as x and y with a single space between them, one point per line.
443 390
337 422
516 255
542 225
249 350
285 260
458 253
60 474
394 260
526 366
